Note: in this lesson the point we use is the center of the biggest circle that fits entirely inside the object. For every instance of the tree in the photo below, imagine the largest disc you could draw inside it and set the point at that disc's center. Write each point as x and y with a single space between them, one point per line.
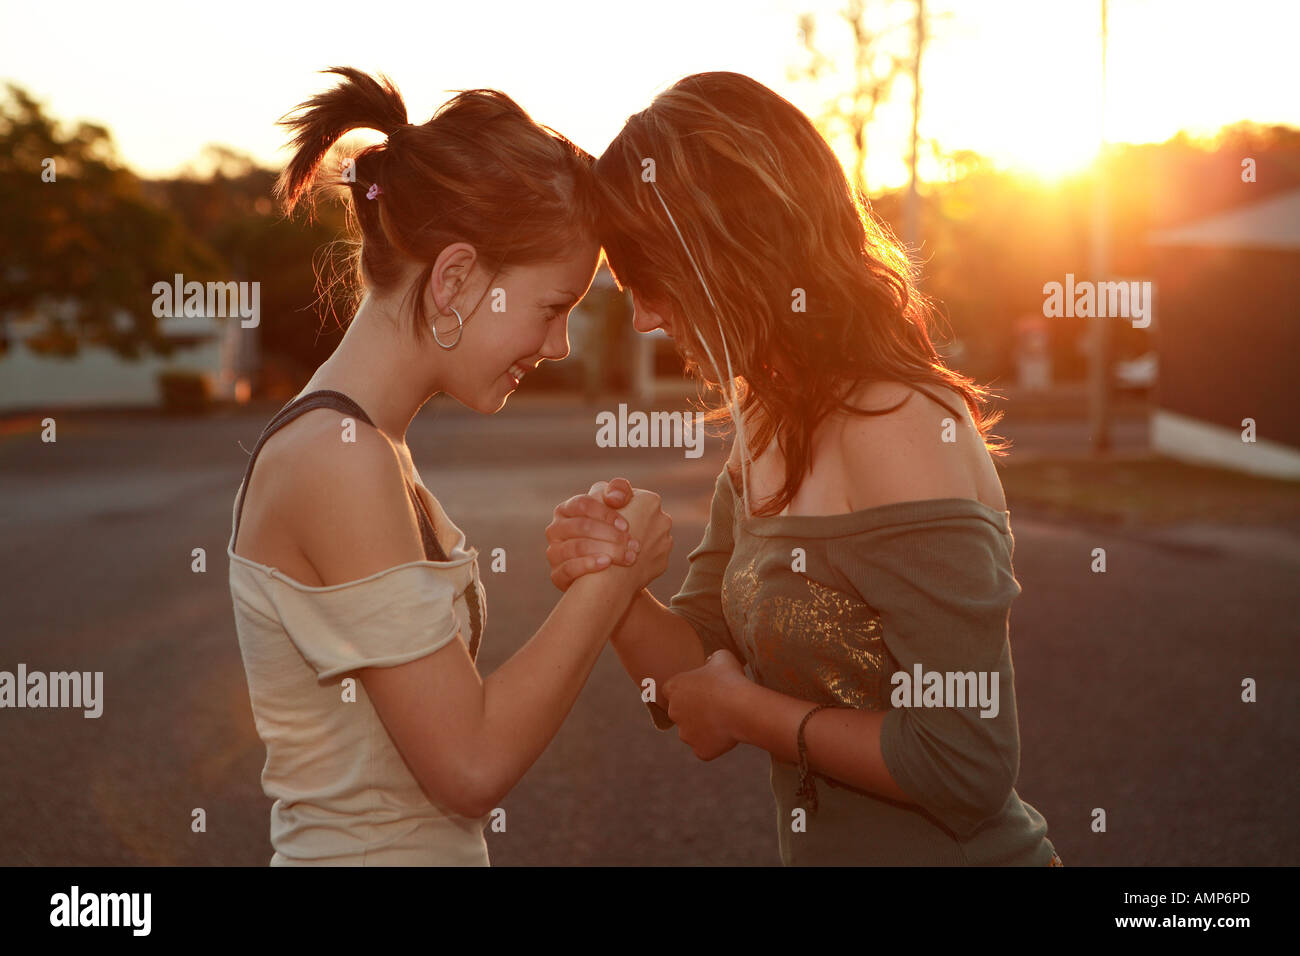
80 243
876 66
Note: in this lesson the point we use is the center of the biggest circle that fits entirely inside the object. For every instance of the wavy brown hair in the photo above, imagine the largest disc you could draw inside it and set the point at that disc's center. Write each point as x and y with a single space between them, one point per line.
479 171
766 211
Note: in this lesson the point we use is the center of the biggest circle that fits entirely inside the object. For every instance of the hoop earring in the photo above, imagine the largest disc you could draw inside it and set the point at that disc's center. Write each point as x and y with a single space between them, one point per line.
460 330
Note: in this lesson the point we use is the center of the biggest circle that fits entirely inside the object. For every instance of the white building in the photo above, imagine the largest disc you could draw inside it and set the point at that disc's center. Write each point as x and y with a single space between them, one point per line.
218 349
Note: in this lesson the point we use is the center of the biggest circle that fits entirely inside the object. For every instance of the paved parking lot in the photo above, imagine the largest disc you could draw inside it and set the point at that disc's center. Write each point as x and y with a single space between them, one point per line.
1128 683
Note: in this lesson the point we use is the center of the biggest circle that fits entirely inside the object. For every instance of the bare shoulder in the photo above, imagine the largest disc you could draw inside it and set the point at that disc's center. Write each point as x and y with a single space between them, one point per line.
343 496
919 450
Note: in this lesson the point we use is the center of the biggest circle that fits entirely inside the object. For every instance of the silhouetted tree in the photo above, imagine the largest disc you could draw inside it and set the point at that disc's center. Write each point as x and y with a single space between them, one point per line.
79 242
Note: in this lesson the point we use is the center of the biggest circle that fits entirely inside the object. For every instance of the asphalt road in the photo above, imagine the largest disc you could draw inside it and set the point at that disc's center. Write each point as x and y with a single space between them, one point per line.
1128 683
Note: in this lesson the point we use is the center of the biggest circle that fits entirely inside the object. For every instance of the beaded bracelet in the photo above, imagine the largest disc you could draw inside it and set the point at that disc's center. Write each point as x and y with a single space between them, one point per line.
807 785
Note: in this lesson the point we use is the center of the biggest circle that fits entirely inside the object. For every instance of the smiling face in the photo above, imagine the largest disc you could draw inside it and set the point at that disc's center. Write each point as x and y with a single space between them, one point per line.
521 319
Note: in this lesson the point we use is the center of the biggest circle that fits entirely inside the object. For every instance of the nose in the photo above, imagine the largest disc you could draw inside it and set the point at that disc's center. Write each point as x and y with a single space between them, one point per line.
556 346
642 323
645 321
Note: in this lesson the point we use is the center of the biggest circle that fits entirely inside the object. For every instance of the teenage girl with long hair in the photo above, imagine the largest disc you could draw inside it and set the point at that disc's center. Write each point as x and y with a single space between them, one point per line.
859 528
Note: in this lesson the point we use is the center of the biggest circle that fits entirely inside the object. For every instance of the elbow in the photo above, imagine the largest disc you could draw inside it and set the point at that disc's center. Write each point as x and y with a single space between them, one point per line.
473 804
992 797
479 797
476 809
963 774
978 798
467 793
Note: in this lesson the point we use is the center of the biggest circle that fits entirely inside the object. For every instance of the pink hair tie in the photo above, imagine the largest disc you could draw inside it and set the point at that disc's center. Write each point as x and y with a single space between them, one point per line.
373 191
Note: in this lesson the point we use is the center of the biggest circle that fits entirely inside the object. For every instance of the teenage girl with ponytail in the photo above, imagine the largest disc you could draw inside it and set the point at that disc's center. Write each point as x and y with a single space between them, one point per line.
358 602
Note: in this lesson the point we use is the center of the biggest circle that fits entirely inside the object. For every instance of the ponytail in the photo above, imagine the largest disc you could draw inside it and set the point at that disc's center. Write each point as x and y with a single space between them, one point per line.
360 102
480 171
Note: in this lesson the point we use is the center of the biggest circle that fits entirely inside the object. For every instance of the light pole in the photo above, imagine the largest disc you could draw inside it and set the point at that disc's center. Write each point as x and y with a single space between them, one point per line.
912 212
1099 326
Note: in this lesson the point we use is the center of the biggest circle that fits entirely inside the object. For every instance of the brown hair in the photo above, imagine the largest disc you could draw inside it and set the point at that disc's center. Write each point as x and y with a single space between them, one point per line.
480 171
765 209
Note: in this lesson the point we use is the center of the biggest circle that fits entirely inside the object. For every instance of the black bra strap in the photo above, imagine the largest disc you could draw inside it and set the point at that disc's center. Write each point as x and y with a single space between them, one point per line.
428 535
328 398
324 398
938 401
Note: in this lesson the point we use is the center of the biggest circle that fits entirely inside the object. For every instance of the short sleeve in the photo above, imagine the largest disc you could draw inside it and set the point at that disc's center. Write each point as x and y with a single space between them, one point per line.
943 590
699 600
390 618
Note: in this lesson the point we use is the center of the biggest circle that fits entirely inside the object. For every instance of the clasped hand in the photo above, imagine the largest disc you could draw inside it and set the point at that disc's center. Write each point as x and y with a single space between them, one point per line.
703 703
614 524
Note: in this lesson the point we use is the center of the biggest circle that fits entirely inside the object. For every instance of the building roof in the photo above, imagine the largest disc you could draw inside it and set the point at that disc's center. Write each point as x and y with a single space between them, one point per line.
1272 223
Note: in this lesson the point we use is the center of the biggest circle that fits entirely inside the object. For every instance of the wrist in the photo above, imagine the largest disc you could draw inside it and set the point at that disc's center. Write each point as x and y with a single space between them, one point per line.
613 585
738 704
638 596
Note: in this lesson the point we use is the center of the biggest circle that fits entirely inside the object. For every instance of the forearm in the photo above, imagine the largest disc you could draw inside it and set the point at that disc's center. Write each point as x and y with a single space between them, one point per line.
526 700
653 642
842 743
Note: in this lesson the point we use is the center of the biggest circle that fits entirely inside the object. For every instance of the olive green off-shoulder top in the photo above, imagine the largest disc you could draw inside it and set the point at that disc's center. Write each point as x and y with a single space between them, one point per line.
827 609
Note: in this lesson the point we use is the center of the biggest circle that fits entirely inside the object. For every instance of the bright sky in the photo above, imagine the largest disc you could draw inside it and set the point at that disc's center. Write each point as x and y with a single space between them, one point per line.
1017 80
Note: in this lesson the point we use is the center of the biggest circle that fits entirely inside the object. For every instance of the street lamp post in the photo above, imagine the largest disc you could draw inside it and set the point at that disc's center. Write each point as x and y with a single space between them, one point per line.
1099 327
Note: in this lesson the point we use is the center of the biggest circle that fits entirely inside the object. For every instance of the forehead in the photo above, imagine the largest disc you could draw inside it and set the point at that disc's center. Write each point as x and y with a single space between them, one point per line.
572 269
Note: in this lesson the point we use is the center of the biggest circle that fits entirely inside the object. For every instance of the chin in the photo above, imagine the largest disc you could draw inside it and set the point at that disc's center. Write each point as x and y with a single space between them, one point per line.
487 401
490 403
481 404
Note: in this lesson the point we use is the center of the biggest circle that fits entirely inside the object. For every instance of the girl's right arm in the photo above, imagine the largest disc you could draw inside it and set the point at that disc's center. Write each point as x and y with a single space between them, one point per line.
650 640
467 741
653 642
